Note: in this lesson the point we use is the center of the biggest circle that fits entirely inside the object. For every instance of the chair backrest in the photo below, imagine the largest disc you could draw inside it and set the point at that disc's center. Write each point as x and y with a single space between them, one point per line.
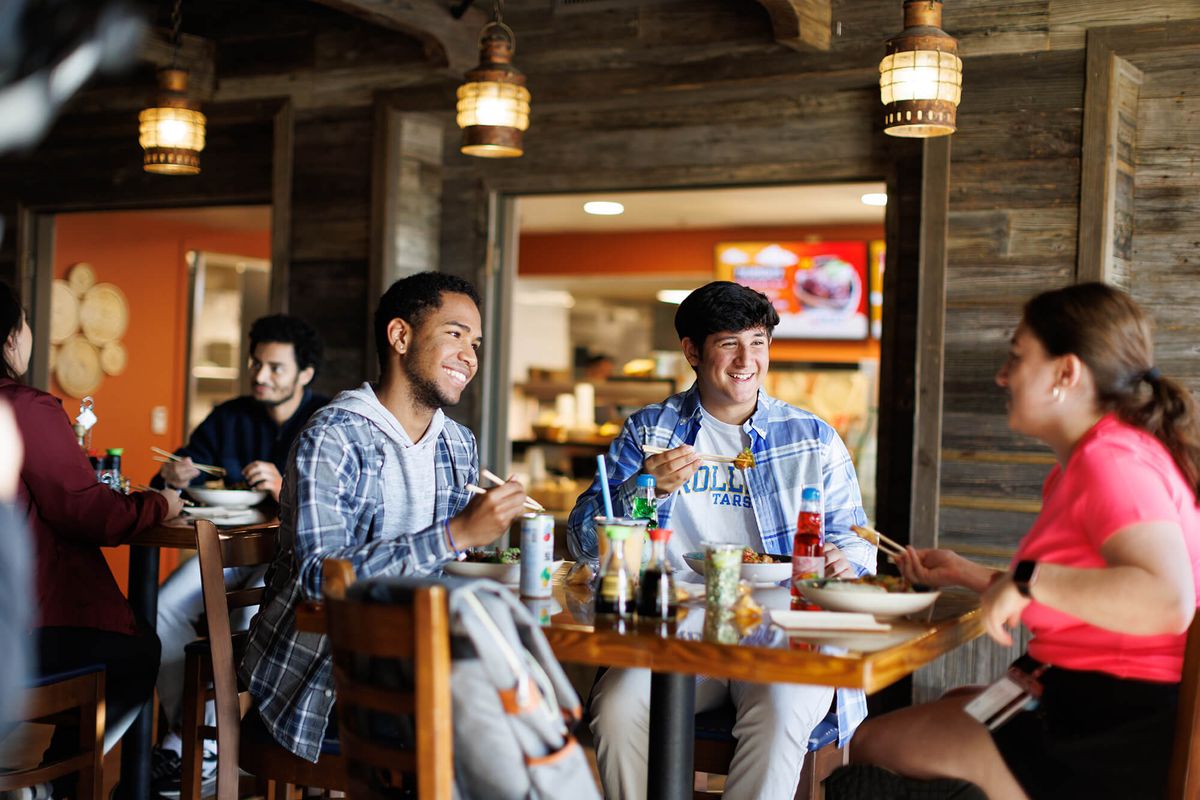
1184 778
217 549
54 696
416 632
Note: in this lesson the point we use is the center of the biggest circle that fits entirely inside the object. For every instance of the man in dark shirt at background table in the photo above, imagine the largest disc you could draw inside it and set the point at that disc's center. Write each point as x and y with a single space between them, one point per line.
249 437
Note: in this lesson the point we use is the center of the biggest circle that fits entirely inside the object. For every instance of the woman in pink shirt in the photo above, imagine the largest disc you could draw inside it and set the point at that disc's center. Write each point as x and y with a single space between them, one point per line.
1106 579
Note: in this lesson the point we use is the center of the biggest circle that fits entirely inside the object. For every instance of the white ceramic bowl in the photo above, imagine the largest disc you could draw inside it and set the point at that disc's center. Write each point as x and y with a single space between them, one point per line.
504 573
229 498
879 603
755 573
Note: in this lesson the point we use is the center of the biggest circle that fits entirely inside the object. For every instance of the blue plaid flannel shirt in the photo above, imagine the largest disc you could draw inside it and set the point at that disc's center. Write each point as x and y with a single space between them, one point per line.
332 507
792 449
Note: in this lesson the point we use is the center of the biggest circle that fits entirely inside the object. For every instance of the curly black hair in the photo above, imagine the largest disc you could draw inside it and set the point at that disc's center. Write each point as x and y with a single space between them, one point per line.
723 306
12 314
285 329
411 299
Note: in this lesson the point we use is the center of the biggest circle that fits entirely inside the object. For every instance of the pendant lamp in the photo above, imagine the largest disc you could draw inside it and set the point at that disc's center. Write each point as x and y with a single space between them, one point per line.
493 103
171 132
920 78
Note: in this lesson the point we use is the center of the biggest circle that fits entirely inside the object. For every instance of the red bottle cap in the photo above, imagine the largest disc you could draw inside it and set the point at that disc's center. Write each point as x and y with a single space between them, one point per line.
660 534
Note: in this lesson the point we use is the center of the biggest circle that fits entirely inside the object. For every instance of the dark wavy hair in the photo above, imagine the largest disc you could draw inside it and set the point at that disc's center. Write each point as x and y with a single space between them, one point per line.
1110 333
411 299
284 329
12 315
723 306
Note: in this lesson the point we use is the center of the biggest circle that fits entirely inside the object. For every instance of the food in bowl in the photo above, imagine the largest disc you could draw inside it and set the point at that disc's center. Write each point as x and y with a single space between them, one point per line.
751 557
869 583
509 555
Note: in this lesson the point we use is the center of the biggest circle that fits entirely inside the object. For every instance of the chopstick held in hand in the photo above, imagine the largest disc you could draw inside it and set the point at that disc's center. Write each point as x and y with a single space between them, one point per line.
210 469
530 503
889 546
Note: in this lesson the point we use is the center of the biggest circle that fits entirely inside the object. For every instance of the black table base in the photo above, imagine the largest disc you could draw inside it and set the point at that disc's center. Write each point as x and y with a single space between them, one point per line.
671 775
135 745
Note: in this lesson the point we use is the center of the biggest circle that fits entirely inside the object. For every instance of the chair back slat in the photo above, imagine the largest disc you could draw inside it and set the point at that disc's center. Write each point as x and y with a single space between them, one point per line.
216 550
1184 777
244 598
415 627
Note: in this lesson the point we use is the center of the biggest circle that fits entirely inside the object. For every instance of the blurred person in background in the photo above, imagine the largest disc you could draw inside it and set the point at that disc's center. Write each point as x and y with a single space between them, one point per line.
249 437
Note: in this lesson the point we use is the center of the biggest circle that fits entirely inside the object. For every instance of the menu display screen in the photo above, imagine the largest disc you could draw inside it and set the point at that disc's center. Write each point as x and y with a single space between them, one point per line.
819 288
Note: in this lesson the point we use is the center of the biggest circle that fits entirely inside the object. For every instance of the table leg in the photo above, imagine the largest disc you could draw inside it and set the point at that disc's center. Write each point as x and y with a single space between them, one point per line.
672 734
135 746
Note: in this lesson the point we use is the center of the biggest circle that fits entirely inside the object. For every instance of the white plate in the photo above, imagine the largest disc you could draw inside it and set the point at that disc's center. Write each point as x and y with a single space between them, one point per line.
229 498
226 516
881 604
504 573
827 620
755 573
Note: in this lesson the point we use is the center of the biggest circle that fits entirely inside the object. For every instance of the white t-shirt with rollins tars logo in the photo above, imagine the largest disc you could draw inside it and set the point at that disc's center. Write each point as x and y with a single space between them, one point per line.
715 505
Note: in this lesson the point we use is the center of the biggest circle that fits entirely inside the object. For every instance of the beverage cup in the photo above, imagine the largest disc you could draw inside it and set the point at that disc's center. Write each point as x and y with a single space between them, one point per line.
633 542
722 569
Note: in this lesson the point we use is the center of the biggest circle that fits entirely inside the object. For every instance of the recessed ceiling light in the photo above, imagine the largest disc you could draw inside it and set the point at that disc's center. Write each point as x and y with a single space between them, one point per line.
672 296
603 208
874 199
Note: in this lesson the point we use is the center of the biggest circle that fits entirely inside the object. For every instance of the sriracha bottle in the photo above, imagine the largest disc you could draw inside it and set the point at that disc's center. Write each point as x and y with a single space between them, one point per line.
808 548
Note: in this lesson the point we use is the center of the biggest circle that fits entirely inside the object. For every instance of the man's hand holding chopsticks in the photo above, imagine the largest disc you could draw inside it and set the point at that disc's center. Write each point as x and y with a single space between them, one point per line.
673 468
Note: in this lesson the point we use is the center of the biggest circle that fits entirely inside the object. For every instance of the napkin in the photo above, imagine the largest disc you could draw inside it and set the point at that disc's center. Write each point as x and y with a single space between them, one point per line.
827 621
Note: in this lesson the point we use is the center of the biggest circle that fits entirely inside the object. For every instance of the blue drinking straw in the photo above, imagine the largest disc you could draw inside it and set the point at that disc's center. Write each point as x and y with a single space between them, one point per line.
602 476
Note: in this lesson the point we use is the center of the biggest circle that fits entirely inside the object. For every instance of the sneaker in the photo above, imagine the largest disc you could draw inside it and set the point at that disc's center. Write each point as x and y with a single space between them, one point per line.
165 772
868 782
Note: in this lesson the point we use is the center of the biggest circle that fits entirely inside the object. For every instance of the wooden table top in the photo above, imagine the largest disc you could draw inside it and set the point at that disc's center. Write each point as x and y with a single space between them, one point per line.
180 533
869 661
766 653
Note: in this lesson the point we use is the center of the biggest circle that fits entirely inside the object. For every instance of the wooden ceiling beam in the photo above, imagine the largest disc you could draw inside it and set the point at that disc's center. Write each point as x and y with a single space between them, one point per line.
449 41
801 24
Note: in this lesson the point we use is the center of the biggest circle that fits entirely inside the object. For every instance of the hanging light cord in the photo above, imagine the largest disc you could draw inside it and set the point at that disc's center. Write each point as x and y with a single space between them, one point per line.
176 21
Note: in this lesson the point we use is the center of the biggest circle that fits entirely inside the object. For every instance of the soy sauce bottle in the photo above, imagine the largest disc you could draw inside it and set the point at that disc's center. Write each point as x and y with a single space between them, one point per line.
656 594
614 587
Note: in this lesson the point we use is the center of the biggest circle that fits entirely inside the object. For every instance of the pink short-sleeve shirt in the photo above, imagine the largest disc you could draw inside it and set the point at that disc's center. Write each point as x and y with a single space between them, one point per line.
1118 475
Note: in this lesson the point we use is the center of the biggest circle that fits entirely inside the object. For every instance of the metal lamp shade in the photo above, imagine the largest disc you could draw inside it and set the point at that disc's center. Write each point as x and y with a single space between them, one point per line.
920 78
493 104
172 132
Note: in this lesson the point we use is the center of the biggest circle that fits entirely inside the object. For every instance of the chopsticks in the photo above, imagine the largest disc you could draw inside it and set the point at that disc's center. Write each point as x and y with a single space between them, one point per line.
208 469
650 449
530 503
889 546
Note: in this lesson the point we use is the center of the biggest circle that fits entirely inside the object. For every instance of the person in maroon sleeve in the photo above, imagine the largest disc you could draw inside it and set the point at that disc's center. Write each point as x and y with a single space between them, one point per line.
80 615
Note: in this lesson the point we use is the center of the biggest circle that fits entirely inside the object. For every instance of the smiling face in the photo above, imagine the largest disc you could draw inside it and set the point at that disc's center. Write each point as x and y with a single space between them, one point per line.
730 368
275 375
443 355
1029 376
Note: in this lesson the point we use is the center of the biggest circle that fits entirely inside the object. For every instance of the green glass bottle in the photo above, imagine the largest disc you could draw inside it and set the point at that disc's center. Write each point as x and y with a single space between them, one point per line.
645 501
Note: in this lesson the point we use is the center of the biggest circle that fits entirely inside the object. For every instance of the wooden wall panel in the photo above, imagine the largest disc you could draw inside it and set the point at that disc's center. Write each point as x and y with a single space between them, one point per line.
331 195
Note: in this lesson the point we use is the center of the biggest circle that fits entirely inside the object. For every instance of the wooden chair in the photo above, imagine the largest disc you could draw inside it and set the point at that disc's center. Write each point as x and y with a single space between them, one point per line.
714 745
75 697
211 673
414 629
1183 781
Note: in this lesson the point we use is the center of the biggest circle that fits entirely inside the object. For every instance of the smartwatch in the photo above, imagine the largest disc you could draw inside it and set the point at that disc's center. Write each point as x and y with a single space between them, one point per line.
1024 576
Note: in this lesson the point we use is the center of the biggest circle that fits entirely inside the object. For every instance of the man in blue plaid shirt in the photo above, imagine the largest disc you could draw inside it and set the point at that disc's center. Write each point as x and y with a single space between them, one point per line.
377 477
725 330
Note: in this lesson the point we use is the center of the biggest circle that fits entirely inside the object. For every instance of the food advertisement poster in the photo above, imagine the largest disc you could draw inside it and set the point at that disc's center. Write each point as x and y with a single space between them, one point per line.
819 288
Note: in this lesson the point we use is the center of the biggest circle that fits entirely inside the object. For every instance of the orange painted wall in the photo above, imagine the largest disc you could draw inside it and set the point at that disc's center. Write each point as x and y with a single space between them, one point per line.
147 262
688 252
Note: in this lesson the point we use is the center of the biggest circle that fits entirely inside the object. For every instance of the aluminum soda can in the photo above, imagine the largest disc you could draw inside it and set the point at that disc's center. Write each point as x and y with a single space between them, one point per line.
537 554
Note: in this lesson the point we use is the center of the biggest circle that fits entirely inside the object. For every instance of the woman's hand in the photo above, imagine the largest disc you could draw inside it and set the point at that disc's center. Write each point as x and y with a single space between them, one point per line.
174 502
672 469
1002 605
940 568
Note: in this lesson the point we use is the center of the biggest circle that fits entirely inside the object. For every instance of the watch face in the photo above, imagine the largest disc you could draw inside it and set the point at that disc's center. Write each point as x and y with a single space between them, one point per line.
1024 571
